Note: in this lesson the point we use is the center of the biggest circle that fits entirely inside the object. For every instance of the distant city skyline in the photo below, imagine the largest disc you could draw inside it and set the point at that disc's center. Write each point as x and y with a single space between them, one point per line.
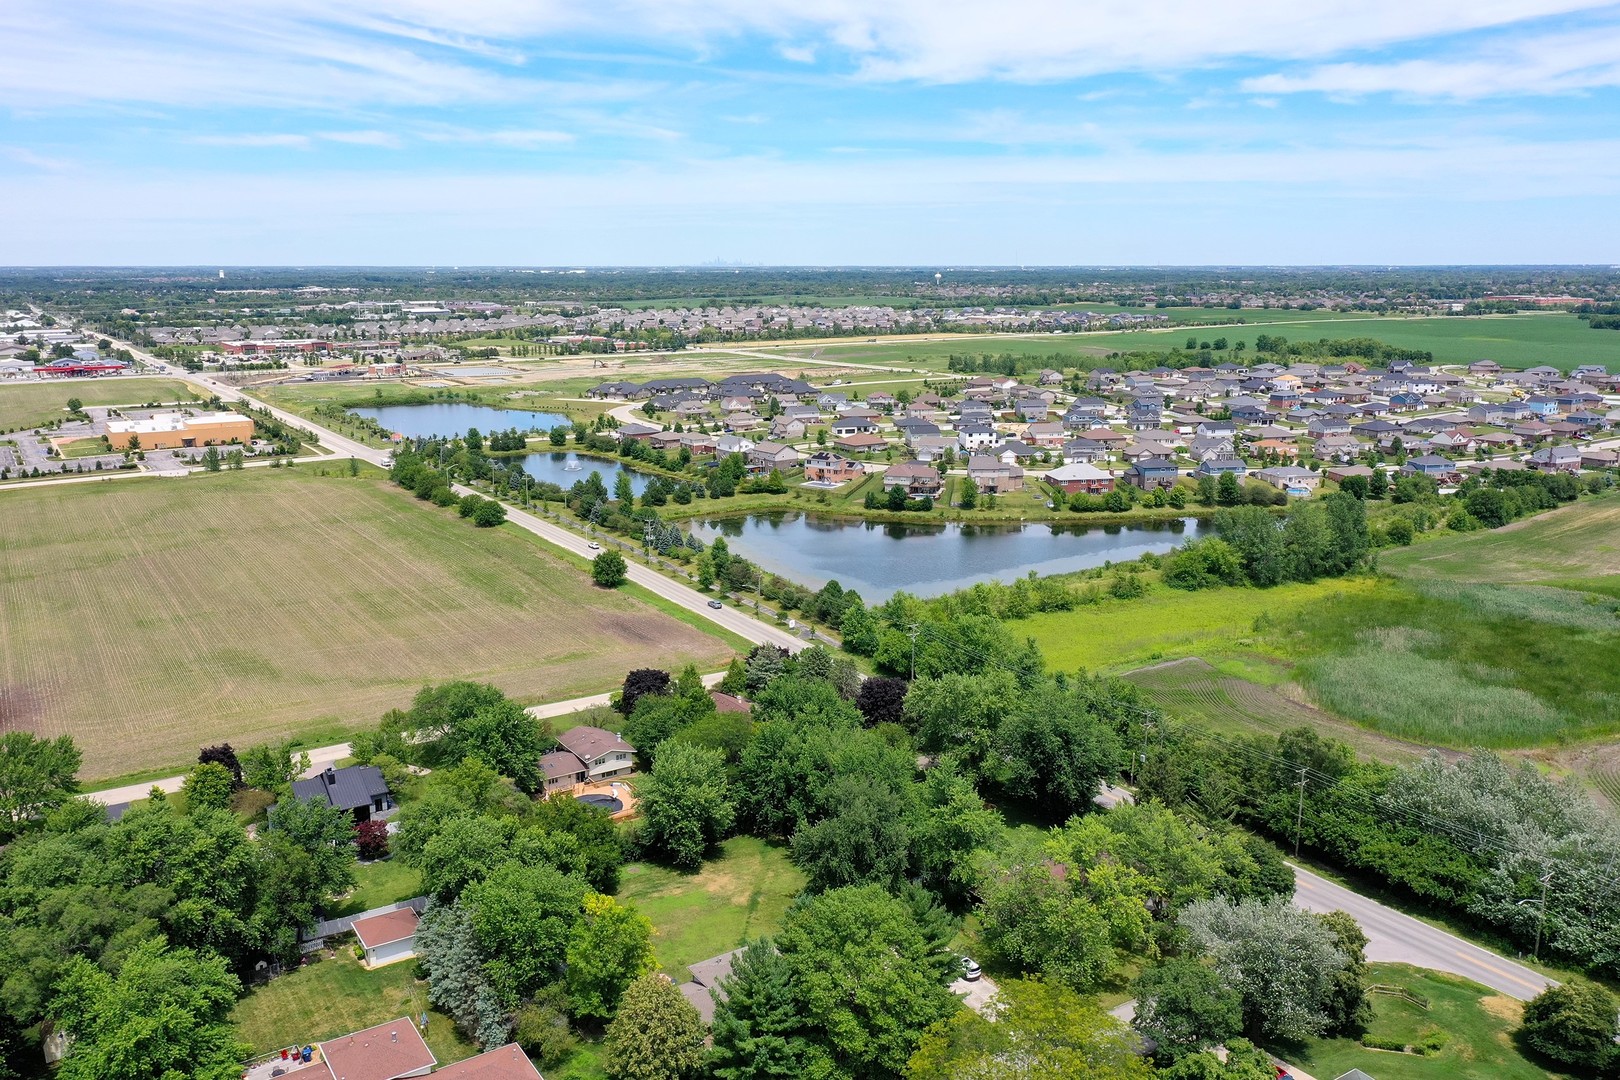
629 132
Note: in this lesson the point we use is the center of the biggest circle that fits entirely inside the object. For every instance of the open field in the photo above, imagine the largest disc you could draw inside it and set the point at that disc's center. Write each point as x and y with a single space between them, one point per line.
1478 1026
149 619
1515 341
334 996
1116 635
31 404
741 894
1577 542
1192 690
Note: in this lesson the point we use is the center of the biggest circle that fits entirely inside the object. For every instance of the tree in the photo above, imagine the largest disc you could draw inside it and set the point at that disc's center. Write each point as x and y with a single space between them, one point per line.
967 494
735 682
36 776
447 948
223 755
758 1034
640 683
490 514
882 700
315 840
610 947
685 804
371 839
272 766
1348 1009
210 459
522 918
74 405
1031 918
1206 490
208 787
865 840
622 491
874 1030
504 737
469 504
609 570
1227 490
1574 1024
165 1015
1184 1007
1055 752
1033 1031
1281 960
657 1035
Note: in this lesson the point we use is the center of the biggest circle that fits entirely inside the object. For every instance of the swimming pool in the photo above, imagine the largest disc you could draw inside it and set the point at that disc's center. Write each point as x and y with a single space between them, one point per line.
606 802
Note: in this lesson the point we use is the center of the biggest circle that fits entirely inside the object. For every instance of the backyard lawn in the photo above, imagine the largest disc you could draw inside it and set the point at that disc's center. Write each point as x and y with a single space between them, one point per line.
1478 1025
386 881
740 894
334 996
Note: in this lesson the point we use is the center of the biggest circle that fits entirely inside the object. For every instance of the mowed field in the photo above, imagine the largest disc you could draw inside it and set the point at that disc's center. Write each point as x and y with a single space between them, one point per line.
1576 545
148 618
32 404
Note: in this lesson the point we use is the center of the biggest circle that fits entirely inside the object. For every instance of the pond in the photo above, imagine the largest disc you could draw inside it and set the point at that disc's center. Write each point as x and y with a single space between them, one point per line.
567 469
928 560
451 418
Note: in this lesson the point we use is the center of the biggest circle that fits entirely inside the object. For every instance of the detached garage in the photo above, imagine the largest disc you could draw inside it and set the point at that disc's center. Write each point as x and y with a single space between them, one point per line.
387 937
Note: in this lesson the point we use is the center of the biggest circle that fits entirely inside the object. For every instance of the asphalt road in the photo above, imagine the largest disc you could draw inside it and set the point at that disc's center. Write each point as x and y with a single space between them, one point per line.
1396 938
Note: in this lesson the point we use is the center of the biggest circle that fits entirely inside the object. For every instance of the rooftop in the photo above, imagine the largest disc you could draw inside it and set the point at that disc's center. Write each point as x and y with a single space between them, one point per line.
383 1052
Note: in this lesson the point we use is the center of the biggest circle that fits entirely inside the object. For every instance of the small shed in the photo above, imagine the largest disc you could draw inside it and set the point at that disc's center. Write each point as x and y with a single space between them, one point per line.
387 937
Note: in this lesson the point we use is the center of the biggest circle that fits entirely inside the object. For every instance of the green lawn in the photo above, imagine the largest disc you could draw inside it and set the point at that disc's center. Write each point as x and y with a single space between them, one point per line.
741 894
82 448
387 881
1478 1025
1581 540
1117 635
334 996
31 404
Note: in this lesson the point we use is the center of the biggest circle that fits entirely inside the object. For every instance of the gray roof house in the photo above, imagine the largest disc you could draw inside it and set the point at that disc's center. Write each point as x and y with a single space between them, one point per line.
359 789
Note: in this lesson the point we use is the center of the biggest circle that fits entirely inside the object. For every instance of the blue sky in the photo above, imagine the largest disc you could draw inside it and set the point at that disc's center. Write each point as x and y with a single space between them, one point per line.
544 132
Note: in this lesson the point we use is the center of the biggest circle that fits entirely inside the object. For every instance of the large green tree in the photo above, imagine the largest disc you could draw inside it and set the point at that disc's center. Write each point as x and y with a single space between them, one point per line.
1185 1006
523 917
36 776
1033 1031
164 1016
685 804
657 1034
758 1032
610 947
1574 1024
866 838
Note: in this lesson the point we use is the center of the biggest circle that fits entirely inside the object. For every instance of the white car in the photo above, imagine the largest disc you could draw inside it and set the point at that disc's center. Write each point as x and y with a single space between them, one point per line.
594 546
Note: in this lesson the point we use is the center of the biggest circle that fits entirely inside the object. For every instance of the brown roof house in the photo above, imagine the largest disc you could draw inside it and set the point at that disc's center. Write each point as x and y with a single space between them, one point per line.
994 477
918 479
588 754
387 937
507 1062
388 1051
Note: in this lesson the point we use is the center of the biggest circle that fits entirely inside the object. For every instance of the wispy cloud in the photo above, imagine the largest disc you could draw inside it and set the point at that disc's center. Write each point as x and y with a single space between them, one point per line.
513 139
255 141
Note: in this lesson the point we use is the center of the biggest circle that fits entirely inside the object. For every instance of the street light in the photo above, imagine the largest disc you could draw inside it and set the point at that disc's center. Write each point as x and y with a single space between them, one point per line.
1541 917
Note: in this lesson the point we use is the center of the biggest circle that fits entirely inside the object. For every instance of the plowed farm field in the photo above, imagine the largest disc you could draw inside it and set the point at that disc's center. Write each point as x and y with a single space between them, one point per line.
152 617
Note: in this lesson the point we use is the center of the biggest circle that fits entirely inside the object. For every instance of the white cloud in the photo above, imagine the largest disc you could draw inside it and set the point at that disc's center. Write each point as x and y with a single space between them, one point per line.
1541 64
385 139
254 141
510 139
24 156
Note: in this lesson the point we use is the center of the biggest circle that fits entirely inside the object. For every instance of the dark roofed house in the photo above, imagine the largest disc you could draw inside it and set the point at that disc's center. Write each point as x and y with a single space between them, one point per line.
704 991
359 789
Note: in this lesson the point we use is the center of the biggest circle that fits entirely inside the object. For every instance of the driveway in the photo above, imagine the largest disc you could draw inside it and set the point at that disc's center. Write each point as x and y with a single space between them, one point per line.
976 994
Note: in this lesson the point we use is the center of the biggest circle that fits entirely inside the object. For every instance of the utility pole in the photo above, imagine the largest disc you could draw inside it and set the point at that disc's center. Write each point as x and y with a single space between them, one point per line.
911 632
1299 816
1541 916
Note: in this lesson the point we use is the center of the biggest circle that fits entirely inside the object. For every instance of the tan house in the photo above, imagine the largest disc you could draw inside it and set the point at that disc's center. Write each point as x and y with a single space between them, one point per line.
588 754
918 479
994 477
825 468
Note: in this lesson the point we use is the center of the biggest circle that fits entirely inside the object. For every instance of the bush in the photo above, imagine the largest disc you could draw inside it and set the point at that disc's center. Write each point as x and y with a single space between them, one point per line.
469 505
371 839
609 570
1377 1042
489 514
1573 1024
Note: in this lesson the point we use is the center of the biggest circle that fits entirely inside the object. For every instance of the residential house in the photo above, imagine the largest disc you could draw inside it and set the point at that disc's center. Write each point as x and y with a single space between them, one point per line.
1150 473
1337 448
861 443
587 754
1290 478
852 425
1083 450
1138 450
1032 409
1566 459
1340 473
1080 477
787 429
1205 447
772 455
705 990
358 789
1218 467
387 937
389 1051
507 1062
918 479
912 428
1600 459
933 447
1014 452
1045 434
993 476
976 436
732 444
825 468
1430 465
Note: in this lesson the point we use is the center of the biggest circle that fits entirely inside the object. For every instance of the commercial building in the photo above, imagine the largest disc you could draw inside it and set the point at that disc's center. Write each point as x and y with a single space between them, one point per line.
168 431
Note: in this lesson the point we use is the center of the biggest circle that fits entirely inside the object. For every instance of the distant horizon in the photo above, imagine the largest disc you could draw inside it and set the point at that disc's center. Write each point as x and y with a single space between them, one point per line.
428 267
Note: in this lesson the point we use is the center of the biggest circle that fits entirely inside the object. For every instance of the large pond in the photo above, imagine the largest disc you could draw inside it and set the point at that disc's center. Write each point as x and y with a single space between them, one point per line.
453 418
567 469
928 560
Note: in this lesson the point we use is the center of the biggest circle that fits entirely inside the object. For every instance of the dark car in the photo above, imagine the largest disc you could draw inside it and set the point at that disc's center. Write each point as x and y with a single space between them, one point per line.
715 604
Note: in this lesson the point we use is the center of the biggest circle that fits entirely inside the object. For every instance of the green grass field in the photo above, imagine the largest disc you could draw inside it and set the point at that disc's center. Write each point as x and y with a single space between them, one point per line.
30 404
1117 635
1477 1023
147 619
741 894
334 996
387 881
1515 341
1578 542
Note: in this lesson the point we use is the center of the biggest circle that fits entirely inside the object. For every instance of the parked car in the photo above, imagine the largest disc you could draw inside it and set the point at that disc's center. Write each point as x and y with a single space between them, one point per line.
970 969
715 604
